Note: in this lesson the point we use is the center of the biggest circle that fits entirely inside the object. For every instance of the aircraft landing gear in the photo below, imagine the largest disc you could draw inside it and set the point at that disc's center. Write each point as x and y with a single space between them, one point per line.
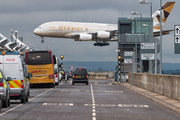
101 44
42 41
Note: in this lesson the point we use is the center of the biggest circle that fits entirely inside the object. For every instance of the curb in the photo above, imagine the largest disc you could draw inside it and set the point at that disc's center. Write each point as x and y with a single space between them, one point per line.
165 104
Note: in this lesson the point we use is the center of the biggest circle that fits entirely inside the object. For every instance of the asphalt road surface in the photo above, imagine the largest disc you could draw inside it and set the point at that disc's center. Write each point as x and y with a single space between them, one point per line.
100 100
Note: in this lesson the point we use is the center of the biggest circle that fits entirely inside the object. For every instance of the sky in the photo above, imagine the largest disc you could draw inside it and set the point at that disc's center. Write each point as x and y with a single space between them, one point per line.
25 15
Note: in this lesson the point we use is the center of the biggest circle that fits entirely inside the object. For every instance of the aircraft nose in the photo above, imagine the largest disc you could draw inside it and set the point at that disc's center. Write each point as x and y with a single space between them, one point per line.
37 31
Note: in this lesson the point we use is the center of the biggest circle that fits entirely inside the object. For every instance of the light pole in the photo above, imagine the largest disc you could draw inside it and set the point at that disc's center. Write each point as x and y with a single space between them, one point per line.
151 34
160 37
136 13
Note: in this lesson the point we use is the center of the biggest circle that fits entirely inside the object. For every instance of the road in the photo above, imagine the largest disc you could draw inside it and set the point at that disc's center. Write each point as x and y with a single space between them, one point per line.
100 100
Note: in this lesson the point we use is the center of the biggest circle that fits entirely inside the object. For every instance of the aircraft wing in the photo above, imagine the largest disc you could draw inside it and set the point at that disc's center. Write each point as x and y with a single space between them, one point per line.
164 32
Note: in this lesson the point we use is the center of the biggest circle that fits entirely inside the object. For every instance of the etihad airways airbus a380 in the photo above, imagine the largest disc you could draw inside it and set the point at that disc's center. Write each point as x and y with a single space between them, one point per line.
101 33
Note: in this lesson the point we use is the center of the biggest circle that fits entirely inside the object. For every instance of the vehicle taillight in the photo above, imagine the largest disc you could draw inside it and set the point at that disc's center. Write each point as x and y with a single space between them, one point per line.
86 76
73 76
51 76
56 75
1 84
69 73
22 84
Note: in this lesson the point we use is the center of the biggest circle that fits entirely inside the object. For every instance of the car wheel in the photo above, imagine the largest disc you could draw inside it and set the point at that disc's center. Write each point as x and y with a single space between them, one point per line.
72 83
5 103
51 85
9 101
23 99
28 93
1 102
87 83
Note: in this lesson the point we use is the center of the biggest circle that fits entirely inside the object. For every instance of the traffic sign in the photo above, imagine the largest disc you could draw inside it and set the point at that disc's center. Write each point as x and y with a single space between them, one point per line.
128 53
127 60
72 67
177 29
147 56
177 39
132 60
147 46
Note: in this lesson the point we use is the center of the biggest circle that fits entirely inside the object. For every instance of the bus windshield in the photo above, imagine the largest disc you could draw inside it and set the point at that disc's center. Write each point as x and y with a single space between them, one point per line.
38 58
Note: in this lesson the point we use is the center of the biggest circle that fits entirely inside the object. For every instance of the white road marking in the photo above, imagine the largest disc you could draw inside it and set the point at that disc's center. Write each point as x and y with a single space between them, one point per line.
131 105
24 104
61 104
93 105
71 90
115 91
93 118
114 105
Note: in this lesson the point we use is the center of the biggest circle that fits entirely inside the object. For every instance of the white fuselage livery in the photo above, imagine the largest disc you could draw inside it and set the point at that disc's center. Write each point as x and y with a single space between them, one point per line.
62 29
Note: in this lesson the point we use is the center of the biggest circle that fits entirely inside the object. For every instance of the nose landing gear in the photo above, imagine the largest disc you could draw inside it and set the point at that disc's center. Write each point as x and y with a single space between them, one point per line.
42 41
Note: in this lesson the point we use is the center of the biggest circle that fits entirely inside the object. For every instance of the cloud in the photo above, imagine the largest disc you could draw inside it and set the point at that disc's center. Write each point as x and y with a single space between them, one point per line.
26 15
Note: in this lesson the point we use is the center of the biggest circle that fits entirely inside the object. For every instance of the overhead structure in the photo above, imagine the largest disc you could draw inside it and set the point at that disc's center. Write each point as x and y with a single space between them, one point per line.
13 45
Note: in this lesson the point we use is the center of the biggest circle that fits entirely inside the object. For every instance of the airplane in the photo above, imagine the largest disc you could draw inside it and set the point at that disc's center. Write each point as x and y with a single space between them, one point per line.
99 32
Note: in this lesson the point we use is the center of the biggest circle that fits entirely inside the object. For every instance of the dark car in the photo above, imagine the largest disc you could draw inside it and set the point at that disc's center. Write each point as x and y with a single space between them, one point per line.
80 75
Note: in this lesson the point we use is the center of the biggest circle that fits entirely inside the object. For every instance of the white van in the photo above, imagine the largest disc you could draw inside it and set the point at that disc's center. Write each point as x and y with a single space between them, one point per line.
12 64
56 72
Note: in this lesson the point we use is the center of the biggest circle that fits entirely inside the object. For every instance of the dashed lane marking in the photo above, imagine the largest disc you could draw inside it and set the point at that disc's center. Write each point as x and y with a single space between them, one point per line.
118 105
131 105
90 91
71 90
61 104
115 91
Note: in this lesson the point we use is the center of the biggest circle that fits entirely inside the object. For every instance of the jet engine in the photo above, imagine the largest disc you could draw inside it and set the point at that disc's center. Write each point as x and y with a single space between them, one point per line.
103 35
85 37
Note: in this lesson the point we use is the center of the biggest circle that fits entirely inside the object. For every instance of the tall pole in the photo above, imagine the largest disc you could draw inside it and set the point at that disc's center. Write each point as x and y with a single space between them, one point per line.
151 33
140 43
160 36
136 50
119 65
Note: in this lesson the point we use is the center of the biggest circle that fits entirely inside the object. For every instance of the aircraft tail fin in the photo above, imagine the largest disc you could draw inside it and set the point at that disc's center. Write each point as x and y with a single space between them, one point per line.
166 9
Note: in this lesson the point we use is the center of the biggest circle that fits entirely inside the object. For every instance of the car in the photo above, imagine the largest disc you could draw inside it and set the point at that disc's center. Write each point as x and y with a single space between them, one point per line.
80 75
56 76
70 73
4 90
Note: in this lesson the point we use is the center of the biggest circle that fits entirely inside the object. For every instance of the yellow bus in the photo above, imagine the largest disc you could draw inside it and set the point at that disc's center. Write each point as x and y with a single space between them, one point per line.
41 64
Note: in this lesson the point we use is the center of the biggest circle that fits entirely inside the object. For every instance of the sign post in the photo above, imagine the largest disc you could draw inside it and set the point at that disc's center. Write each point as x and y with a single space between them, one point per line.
148 53
177 39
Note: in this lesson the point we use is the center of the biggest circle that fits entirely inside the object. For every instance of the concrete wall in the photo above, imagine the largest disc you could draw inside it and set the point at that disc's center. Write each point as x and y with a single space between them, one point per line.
168 85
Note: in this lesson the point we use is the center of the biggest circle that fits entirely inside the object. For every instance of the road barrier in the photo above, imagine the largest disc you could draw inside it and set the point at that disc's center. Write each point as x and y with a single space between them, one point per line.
168 85
101 74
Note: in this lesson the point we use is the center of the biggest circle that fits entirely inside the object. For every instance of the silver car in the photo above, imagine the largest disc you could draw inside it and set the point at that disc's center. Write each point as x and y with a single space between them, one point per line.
4 90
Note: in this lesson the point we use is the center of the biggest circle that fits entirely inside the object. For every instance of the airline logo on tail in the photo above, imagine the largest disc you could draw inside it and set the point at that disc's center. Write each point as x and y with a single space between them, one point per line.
166 9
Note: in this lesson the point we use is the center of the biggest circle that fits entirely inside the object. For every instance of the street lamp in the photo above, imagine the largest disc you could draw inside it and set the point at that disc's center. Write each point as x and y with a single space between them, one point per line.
160 37
136 13
151 30
129 18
